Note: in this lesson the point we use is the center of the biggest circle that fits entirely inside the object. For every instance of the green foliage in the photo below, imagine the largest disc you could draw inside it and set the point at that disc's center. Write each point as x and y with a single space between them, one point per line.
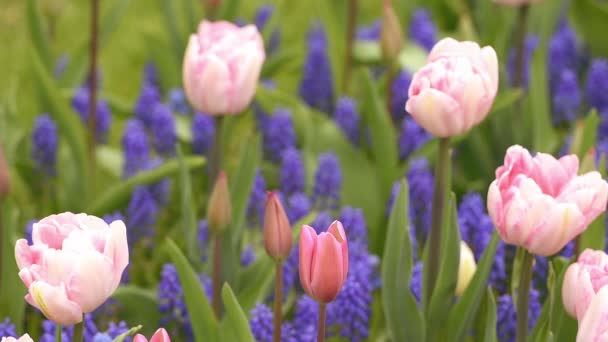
590 17
235 326
138 306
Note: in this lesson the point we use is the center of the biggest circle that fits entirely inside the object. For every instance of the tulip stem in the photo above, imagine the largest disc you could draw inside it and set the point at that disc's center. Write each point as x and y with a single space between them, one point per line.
520 60
353 6
278 303
58 332
91 141
433 246
322 314
79 332
217 273
215 159
523 296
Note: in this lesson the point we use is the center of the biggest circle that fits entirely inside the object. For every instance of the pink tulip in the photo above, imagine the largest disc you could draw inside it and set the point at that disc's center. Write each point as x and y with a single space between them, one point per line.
159 336
278 238
583 280
455 90
74 265
323 262
540 203
24 338
221 67
594 325
515 3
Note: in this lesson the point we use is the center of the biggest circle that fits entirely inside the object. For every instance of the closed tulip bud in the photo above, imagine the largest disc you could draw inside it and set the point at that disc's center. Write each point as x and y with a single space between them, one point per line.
594 325
5 182
466 270
455 90
391 37
24 338
219 208
583 280
160 335
541 203
277 230
323 262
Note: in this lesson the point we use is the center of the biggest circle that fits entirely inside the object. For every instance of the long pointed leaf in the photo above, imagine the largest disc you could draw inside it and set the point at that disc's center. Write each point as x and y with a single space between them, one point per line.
237 325
188 211
38 34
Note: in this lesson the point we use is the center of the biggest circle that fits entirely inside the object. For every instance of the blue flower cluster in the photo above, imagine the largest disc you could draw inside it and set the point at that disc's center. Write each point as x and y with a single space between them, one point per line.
44 145
91 331
316 86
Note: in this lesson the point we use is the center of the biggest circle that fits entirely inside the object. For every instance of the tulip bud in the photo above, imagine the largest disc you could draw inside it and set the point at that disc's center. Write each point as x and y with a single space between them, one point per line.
466 270
391 38
5 183
160 335
277 230
219 208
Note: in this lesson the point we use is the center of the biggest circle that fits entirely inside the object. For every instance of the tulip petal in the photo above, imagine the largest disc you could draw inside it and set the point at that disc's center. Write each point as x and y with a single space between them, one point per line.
308 241
54 303
436 112
594 325
327 273
140 338
92 282
117 250
160 335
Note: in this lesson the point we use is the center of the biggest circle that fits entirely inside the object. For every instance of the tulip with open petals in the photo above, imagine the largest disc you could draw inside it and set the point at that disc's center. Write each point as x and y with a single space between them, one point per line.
74 264
455 90
24 338
222 65
593 327
583 280
323 262
160 335
540 203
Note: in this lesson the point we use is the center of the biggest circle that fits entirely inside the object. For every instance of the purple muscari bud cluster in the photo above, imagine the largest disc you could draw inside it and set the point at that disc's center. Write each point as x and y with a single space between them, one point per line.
306 318
399 94
247 256
292 177
178 102
476 230
355 227
29 226
348 119
412 137
48 332
316 87
322 221
171 304
257 200
530 45
103 115
298 206
149 97
44 144
261 19
422 30
369 33
141 214
506 316
421 184
416 281
290 270
278 134
562 54
7 329
90 334
150 74
328 182
203 133
161 189
566 97
261 323
597 85
162 126
115 216
203 237
135 148
289 333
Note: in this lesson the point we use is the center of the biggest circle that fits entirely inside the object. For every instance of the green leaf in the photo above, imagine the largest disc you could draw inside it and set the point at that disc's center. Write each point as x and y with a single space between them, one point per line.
130 332
38 34
188 209
199 310
489 322
138 306
444 291
110 159
116 196
261 273
237 325
172 24
463 312
585 134
404 320
594 236
562 326
589 18
229 9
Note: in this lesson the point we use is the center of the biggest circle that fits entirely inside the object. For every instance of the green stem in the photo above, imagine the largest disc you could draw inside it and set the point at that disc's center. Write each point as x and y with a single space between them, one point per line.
321 325
523 296
434 240
92 125
79 332
520 60
217 274
278 303
215 159
58 333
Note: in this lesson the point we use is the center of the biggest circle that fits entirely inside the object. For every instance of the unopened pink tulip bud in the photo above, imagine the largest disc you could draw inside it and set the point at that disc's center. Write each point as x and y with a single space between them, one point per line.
455 90
73 266
583 280
391 36
278 239
323 262
593 327
540 203
219 208
160 335
221 68
24 338
515 3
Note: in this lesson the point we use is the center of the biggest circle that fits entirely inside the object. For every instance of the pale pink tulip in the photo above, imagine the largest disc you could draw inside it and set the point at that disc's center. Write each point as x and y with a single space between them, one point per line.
278 238
540 203
594 325
515 3
323 262
74 264
222 65
24 338
160 335
455 90
583 280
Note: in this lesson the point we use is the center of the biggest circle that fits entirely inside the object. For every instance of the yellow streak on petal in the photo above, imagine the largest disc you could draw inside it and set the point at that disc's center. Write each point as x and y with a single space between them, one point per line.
40 301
